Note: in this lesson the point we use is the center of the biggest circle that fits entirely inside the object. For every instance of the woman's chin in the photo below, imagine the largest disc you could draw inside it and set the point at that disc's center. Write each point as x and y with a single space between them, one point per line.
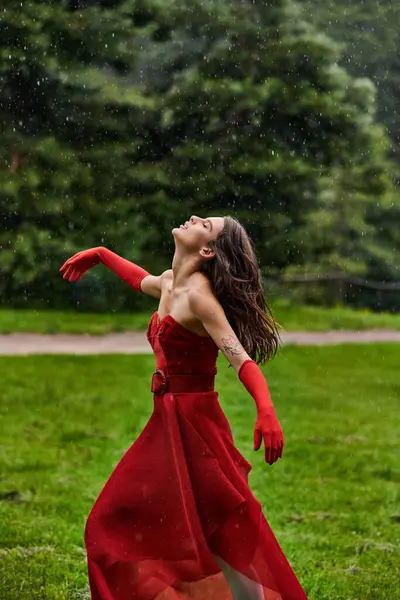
176 230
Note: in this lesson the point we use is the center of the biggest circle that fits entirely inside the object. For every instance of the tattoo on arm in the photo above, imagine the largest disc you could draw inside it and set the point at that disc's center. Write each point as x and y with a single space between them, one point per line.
231 345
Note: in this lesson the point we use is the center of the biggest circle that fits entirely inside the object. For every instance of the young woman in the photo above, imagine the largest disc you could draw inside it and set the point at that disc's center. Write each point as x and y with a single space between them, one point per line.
177 520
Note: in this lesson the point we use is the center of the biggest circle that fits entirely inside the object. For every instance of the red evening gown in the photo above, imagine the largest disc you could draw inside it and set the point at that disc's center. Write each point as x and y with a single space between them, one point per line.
180 494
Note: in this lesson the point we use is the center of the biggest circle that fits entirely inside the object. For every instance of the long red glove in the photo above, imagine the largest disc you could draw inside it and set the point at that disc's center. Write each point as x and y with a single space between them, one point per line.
76 266
267 425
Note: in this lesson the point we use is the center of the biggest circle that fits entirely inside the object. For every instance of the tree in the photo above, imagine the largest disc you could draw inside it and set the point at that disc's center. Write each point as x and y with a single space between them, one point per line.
70 126
121 118
369 33
257 115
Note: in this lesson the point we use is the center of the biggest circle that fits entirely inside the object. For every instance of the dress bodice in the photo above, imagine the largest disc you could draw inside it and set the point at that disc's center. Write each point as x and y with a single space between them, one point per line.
179 350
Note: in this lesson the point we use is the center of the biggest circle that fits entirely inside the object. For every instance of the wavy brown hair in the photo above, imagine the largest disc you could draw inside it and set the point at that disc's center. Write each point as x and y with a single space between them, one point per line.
236 282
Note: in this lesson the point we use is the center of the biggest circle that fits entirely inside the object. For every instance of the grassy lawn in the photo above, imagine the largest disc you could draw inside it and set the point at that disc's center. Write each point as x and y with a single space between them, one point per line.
332 500
290 317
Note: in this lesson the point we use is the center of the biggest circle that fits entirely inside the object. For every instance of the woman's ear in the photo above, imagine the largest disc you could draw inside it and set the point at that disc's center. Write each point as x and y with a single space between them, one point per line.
206 253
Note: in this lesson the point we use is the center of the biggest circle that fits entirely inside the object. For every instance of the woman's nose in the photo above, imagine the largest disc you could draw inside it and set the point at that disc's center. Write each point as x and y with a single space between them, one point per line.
192 218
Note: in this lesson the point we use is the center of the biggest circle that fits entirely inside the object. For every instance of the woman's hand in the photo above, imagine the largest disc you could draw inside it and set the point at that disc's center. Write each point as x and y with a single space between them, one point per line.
76 266
267 427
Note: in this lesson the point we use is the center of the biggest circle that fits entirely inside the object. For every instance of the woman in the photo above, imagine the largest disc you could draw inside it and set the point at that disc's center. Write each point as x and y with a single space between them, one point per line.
177 519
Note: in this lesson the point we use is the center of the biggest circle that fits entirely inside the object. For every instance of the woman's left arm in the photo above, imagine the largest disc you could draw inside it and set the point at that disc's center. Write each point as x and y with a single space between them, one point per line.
205 306
209 311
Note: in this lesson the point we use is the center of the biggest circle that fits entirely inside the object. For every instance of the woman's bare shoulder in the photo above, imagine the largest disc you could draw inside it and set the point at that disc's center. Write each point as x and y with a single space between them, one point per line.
152 284
168 274
200 281
201 293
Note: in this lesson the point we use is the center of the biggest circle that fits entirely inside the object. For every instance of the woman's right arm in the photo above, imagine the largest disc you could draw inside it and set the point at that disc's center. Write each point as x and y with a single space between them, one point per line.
134 275
151 285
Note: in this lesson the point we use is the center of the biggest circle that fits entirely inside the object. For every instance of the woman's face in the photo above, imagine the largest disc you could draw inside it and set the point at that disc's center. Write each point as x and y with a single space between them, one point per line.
197 232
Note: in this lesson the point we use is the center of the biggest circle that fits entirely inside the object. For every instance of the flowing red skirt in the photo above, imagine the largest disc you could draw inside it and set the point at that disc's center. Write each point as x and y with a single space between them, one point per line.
179 495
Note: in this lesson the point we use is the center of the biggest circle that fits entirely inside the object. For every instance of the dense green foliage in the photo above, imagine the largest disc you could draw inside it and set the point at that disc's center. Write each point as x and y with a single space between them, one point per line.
369 33
122 118
69 130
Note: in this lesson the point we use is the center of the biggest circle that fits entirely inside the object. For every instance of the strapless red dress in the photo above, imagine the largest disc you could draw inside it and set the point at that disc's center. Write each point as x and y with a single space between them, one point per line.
180 494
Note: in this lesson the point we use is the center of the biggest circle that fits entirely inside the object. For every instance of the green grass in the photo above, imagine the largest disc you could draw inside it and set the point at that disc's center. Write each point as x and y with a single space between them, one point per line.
290 316
332 500
54 321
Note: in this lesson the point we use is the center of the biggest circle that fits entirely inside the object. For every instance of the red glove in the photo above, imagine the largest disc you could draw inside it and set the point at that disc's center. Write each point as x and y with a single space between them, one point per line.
267 425
76 266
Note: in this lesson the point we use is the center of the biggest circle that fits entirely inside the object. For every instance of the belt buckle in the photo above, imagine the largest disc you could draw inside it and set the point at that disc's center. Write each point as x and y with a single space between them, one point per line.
160 387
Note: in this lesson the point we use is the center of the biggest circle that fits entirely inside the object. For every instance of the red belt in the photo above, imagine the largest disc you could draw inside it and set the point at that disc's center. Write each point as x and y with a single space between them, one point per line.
179 383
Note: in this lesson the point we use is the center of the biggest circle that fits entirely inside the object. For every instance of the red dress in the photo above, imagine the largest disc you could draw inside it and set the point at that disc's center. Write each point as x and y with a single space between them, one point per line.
181 494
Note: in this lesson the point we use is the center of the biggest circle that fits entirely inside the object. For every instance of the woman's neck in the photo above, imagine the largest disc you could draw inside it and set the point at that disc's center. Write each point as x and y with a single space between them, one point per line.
183 266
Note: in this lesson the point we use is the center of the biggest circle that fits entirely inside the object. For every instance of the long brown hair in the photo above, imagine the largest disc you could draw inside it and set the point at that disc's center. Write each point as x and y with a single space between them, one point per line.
237 284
